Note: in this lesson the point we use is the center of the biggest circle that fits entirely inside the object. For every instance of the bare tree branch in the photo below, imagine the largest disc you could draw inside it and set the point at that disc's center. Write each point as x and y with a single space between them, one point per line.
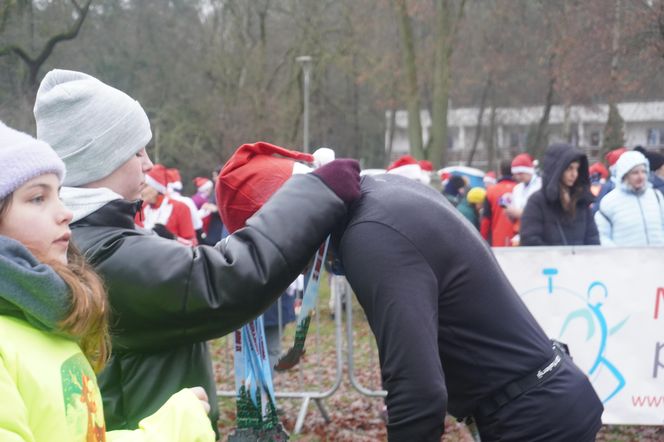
35 63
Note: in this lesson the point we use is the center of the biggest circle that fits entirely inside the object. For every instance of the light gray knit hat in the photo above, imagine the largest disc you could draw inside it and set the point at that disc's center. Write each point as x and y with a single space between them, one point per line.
93 127
23 158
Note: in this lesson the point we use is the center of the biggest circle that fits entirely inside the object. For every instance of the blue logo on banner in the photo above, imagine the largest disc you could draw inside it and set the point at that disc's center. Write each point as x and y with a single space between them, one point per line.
584 323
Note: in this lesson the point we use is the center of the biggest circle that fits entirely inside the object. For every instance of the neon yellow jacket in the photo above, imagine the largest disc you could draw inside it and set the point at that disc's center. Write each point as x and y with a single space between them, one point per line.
49 392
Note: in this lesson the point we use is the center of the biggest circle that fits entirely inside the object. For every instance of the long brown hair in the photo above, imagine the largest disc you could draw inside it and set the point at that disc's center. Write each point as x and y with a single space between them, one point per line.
87 320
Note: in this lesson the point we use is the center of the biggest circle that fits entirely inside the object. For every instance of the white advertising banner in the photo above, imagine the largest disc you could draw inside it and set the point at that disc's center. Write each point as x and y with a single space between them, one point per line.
607 304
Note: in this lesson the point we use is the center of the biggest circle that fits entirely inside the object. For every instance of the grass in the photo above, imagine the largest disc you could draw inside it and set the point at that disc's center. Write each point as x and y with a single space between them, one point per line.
354 416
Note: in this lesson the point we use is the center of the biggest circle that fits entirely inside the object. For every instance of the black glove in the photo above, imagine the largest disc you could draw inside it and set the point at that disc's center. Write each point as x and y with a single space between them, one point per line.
162 231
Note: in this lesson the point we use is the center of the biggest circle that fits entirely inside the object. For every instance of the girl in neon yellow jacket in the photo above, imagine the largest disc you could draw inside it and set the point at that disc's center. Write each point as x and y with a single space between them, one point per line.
53 318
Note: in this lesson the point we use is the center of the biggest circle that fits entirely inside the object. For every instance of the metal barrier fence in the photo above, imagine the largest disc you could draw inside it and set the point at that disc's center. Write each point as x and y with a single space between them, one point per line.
324 387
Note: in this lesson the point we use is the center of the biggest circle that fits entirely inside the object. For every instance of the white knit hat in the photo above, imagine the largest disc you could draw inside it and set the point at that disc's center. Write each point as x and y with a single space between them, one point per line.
23 158
93 127
628 161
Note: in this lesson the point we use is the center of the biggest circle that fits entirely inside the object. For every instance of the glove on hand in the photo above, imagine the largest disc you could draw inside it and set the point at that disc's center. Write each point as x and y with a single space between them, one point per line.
343 177
162 231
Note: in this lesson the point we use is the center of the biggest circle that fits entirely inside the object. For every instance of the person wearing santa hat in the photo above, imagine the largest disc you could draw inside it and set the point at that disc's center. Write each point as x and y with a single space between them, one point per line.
160 210
174 187
598 176
528 182
168 299
409 167
610 184
452 333
495 226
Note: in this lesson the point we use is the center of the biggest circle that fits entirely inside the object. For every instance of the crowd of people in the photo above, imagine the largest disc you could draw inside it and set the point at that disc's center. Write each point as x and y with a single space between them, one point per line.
569 202
113 281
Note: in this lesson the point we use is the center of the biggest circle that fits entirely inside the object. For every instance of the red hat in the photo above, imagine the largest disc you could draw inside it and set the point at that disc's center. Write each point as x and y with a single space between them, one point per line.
427 166
403 160
174 179
523 163
489 178
157 178
250 177
202 183
408 167
613 155
598 168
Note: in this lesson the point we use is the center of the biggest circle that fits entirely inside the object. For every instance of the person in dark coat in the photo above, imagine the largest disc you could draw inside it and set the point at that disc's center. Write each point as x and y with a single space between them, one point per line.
559 213
168 299
452 333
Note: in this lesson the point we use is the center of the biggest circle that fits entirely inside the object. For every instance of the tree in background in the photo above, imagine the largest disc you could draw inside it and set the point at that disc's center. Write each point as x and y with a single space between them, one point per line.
214 74
614 134
23 44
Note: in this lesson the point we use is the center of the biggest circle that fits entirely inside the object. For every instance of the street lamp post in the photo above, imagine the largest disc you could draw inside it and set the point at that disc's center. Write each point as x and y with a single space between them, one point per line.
305 61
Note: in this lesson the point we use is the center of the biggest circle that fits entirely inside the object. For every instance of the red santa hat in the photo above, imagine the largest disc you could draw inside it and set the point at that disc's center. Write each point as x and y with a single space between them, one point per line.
174 179
612 156
598 168
426 166
523 163
202 184
250 177
408 167
489 178
157 178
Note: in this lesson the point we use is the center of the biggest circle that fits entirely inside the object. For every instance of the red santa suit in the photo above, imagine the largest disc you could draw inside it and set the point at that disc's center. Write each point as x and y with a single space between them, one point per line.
173 214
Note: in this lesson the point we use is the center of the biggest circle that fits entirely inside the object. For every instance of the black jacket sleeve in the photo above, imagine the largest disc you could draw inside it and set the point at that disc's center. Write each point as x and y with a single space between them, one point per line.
532 221
592 234
163 293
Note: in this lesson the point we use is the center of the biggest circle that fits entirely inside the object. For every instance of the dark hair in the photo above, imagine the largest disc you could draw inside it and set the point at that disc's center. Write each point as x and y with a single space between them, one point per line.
4 204
505 167
575 192
87 320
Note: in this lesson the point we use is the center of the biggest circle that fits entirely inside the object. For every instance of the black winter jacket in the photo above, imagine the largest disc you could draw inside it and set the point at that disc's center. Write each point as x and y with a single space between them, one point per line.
544 223
450 328
167 299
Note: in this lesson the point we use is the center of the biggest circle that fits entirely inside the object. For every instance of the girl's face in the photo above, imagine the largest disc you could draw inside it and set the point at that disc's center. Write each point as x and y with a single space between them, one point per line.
570 174
37 218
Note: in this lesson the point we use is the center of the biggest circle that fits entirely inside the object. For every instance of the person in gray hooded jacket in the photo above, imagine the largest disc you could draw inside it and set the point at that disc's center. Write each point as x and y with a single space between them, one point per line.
167 299
559 213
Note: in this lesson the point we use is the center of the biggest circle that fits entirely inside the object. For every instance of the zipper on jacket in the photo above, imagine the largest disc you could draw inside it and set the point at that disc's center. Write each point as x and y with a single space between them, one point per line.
643 217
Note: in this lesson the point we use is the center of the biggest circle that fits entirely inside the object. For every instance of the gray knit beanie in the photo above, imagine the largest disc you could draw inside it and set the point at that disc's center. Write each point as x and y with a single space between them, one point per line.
23 158
93 127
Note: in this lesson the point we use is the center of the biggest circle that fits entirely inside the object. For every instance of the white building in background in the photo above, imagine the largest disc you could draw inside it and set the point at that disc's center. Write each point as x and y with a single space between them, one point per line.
644 125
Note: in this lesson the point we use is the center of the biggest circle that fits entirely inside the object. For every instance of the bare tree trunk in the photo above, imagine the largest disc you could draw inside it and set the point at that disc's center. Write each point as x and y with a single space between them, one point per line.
412 99
356 112
613 132
541 136
490 145
34 64
480 117
446 29
390 133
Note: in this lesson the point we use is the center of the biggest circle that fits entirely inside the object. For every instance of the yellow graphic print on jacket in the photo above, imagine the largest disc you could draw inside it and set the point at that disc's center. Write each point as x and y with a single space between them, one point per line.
82 400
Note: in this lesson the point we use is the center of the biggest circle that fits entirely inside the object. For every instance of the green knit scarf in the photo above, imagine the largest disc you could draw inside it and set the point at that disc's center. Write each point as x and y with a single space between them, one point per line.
29 289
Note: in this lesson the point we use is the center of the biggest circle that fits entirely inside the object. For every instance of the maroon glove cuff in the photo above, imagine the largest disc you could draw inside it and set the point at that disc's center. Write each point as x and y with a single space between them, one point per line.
343 177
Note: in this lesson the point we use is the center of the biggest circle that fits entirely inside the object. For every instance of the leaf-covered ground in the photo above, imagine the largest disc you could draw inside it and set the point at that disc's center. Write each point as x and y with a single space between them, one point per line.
353 416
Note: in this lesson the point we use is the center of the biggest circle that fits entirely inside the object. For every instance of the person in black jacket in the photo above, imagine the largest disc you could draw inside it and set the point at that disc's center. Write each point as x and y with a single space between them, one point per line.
452 333
167 299
559 213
